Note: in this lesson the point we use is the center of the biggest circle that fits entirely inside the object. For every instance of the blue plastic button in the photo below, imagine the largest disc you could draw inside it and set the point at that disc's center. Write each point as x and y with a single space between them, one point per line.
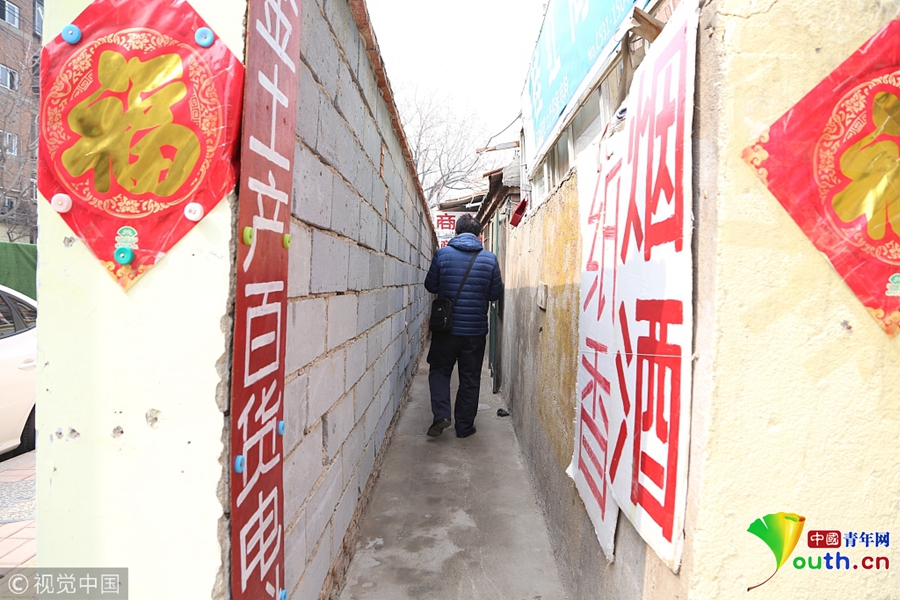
239 463
205 37
280 427
124 256
71 34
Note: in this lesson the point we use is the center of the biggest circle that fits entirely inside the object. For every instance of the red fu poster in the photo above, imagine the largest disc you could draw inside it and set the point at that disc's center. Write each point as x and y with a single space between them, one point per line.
140 113
833 162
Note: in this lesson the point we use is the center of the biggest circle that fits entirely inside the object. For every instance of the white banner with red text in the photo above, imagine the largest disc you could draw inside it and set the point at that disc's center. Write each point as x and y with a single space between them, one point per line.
636 310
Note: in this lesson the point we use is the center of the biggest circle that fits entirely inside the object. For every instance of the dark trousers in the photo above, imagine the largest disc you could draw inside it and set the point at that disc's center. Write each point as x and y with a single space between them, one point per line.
445 351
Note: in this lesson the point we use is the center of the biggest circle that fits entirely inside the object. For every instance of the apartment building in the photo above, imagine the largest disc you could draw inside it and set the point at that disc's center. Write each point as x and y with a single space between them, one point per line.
21 25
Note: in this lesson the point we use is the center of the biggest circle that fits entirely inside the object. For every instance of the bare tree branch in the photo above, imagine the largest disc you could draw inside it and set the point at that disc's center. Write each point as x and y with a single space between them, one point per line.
443 142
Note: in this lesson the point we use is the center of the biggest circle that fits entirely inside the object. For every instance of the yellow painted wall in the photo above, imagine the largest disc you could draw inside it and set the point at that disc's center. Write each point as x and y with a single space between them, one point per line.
545 249
559 268
132 388
796 388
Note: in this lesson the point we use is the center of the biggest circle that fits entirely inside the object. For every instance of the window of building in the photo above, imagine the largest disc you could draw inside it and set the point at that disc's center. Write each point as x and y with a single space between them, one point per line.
38 17
8 203
8 78
11 143
36 73
538 184
586 124
9 12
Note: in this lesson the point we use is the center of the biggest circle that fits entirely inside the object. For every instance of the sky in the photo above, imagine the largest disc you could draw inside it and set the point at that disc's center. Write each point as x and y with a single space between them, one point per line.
473 52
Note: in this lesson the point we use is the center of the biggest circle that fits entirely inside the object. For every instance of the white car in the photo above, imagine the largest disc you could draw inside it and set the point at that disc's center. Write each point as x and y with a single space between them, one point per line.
18 359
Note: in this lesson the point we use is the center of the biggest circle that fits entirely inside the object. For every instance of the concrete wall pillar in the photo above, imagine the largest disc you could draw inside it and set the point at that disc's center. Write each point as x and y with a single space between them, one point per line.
133 387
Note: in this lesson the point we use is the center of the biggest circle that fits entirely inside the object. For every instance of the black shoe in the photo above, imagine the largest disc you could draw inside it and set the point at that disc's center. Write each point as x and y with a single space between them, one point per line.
465 435
438 427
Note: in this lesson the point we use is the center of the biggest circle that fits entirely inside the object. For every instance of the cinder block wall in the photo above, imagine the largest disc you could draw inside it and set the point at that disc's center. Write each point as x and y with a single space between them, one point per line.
362 242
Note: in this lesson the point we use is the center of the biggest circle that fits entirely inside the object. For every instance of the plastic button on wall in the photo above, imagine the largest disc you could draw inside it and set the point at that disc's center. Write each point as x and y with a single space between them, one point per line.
193 211
205 37
124 256
61 203
71 34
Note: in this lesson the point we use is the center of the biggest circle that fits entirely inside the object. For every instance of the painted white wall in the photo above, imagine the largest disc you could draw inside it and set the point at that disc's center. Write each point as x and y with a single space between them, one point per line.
153 362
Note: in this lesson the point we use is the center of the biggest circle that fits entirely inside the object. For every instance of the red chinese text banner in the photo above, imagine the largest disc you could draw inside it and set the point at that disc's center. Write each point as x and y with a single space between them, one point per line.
257 407
636 322
445 225
140 113
833 163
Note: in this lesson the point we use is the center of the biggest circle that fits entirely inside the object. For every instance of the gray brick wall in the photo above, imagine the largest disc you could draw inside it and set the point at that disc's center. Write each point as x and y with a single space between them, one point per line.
357 304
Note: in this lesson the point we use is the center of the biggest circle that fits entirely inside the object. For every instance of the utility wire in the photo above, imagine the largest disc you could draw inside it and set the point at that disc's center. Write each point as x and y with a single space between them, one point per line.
502 130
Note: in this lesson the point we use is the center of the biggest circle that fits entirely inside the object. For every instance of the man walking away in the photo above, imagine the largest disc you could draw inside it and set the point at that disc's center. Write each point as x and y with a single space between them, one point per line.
466 341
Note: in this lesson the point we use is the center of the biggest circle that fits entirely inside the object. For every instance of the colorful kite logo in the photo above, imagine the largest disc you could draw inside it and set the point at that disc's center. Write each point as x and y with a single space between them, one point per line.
781 532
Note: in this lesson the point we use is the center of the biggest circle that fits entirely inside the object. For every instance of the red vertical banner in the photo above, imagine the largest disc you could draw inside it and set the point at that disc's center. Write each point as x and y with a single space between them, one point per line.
257 408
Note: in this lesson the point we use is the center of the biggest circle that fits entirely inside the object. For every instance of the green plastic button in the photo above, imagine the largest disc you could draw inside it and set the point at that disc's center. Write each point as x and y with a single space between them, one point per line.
287 240
124 256
248 235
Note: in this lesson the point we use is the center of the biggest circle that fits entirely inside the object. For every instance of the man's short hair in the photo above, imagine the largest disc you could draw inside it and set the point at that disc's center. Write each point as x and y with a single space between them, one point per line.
468 224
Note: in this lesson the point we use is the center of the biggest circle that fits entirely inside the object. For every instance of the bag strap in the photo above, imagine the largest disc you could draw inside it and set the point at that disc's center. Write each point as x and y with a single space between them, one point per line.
461 285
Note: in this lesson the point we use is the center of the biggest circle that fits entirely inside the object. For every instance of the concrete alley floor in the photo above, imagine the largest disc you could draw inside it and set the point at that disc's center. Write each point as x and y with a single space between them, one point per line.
450 518
18 535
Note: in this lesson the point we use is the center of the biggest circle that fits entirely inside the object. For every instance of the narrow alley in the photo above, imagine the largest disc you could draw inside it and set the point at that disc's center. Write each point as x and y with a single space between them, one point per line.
453 518
668 229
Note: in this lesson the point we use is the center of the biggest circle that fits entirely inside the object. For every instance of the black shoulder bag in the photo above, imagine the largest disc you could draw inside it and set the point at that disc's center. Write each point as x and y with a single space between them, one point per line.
441 320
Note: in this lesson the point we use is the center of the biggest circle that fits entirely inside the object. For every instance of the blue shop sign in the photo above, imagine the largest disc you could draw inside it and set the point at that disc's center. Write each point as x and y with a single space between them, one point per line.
573 37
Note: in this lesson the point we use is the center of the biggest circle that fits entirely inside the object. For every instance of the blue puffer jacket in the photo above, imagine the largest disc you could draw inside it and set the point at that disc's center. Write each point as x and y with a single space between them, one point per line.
483 285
